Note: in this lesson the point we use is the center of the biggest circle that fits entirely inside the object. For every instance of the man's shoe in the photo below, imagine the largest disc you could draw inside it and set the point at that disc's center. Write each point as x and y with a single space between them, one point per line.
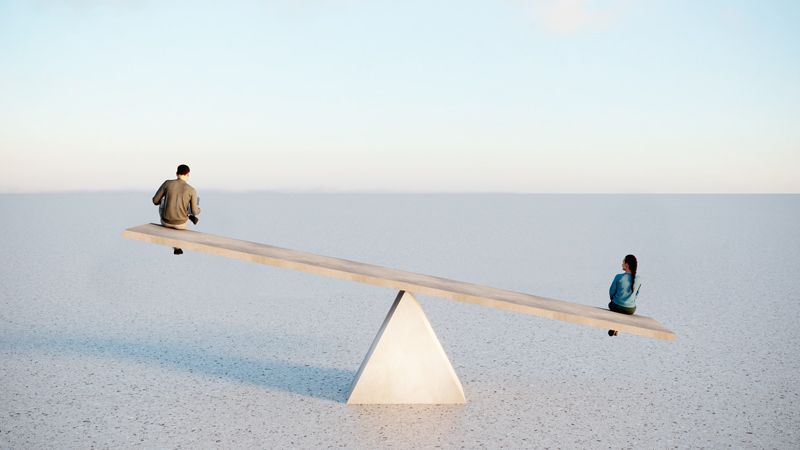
176 251
194 219
612 332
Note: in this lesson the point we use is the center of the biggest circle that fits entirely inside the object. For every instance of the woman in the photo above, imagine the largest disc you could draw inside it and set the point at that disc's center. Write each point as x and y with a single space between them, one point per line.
625 289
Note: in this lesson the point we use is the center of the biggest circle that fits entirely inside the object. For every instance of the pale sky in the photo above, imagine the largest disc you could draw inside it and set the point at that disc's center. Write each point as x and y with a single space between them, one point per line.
412 96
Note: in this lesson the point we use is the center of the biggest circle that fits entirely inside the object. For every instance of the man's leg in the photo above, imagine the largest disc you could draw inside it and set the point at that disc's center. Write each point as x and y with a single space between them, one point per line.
181 226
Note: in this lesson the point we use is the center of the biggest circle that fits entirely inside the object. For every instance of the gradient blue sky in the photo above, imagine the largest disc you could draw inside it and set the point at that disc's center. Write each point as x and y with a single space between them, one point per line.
495 95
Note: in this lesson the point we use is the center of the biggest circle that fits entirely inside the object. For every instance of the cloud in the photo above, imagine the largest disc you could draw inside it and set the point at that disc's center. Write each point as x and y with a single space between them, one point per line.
573 16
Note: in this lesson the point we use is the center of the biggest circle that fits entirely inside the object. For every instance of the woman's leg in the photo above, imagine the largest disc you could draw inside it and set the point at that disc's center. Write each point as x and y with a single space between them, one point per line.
621 309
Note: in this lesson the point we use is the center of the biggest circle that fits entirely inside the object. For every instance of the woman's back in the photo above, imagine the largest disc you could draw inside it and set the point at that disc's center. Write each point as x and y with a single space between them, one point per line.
623 292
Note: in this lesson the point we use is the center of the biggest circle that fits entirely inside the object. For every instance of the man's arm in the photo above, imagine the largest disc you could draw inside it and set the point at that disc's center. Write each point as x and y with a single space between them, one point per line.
160 194
194 204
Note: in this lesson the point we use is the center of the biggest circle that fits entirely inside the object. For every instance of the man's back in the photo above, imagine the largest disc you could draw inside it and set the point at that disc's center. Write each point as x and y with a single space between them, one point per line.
178 199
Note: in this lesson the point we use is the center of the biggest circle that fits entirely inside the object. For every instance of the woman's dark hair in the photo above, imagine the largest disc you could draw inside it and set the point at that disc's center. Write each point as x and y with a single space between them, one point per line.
183 169
630 260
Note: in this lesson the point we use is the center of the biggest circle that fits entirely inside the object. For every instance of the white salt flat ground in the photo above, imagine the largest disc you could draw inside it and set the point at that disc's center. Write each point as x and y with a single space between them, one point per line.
106 342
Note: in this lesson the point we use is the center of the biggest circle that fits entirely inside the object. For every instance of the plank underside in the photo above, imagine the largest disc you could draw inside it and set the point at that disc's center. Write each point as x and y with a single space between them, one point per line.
399 280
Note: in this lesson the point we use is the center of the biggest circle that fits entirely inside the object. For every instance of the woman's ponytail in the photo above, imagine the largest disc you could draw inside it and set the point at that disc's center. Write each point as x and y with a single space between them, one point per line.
630 260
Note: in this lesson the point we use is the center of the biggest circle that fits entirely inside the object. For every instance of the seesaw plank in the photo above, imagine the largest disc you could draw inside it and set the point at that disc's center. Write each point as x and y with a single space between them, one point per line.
399 280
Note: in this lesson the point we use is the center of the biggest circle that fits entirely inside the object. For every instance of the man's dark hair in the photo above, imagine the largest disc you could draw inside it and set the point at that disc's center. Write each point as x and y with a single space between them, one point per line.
183 169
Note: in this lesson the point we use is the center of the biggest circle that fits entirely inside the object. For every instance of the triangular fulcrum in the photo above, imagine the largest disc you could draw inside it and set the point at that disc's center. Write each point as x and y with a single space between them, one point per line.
406 363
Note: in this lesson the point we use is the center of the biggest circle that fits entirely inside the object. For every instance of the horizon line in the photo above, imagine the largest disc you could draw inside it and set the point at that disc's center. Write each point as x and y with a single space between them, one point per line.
389 192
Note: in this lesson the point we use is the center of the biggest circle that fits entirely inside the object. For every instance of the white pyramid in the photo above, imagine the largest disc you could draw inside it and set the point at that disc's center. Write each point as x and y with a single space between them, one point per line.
406 363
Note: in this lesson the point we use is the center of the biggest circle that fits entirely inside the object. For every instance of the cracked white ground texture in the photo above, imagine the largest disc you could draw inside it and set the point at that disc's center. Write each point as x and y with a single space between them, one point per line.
107 342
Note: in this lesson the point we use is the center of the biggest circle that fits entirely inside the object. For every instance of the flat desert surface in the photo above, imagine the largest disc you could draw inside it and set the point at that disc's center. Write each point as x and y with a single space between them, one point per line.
108 342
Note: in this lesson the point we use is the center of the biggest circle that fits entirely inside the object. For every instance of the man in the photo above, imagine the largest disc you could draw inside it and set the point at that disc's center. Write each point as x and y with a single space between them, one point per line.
178 202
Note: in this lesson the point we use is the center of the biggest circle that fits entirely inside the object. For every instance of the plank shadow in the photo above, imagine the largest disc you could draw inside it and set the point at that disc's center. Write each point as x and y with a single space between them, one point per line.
308 380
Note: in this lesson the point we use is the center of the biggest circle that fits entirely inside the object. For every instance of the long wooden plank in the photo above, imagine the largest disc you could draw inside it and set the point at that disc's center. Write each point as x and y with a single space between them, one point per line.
399 280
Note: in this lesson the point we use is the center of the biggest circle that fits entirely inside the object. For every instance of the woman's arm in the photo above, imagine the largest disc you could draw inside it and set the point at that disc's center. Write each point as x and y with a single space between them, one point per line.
613 289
